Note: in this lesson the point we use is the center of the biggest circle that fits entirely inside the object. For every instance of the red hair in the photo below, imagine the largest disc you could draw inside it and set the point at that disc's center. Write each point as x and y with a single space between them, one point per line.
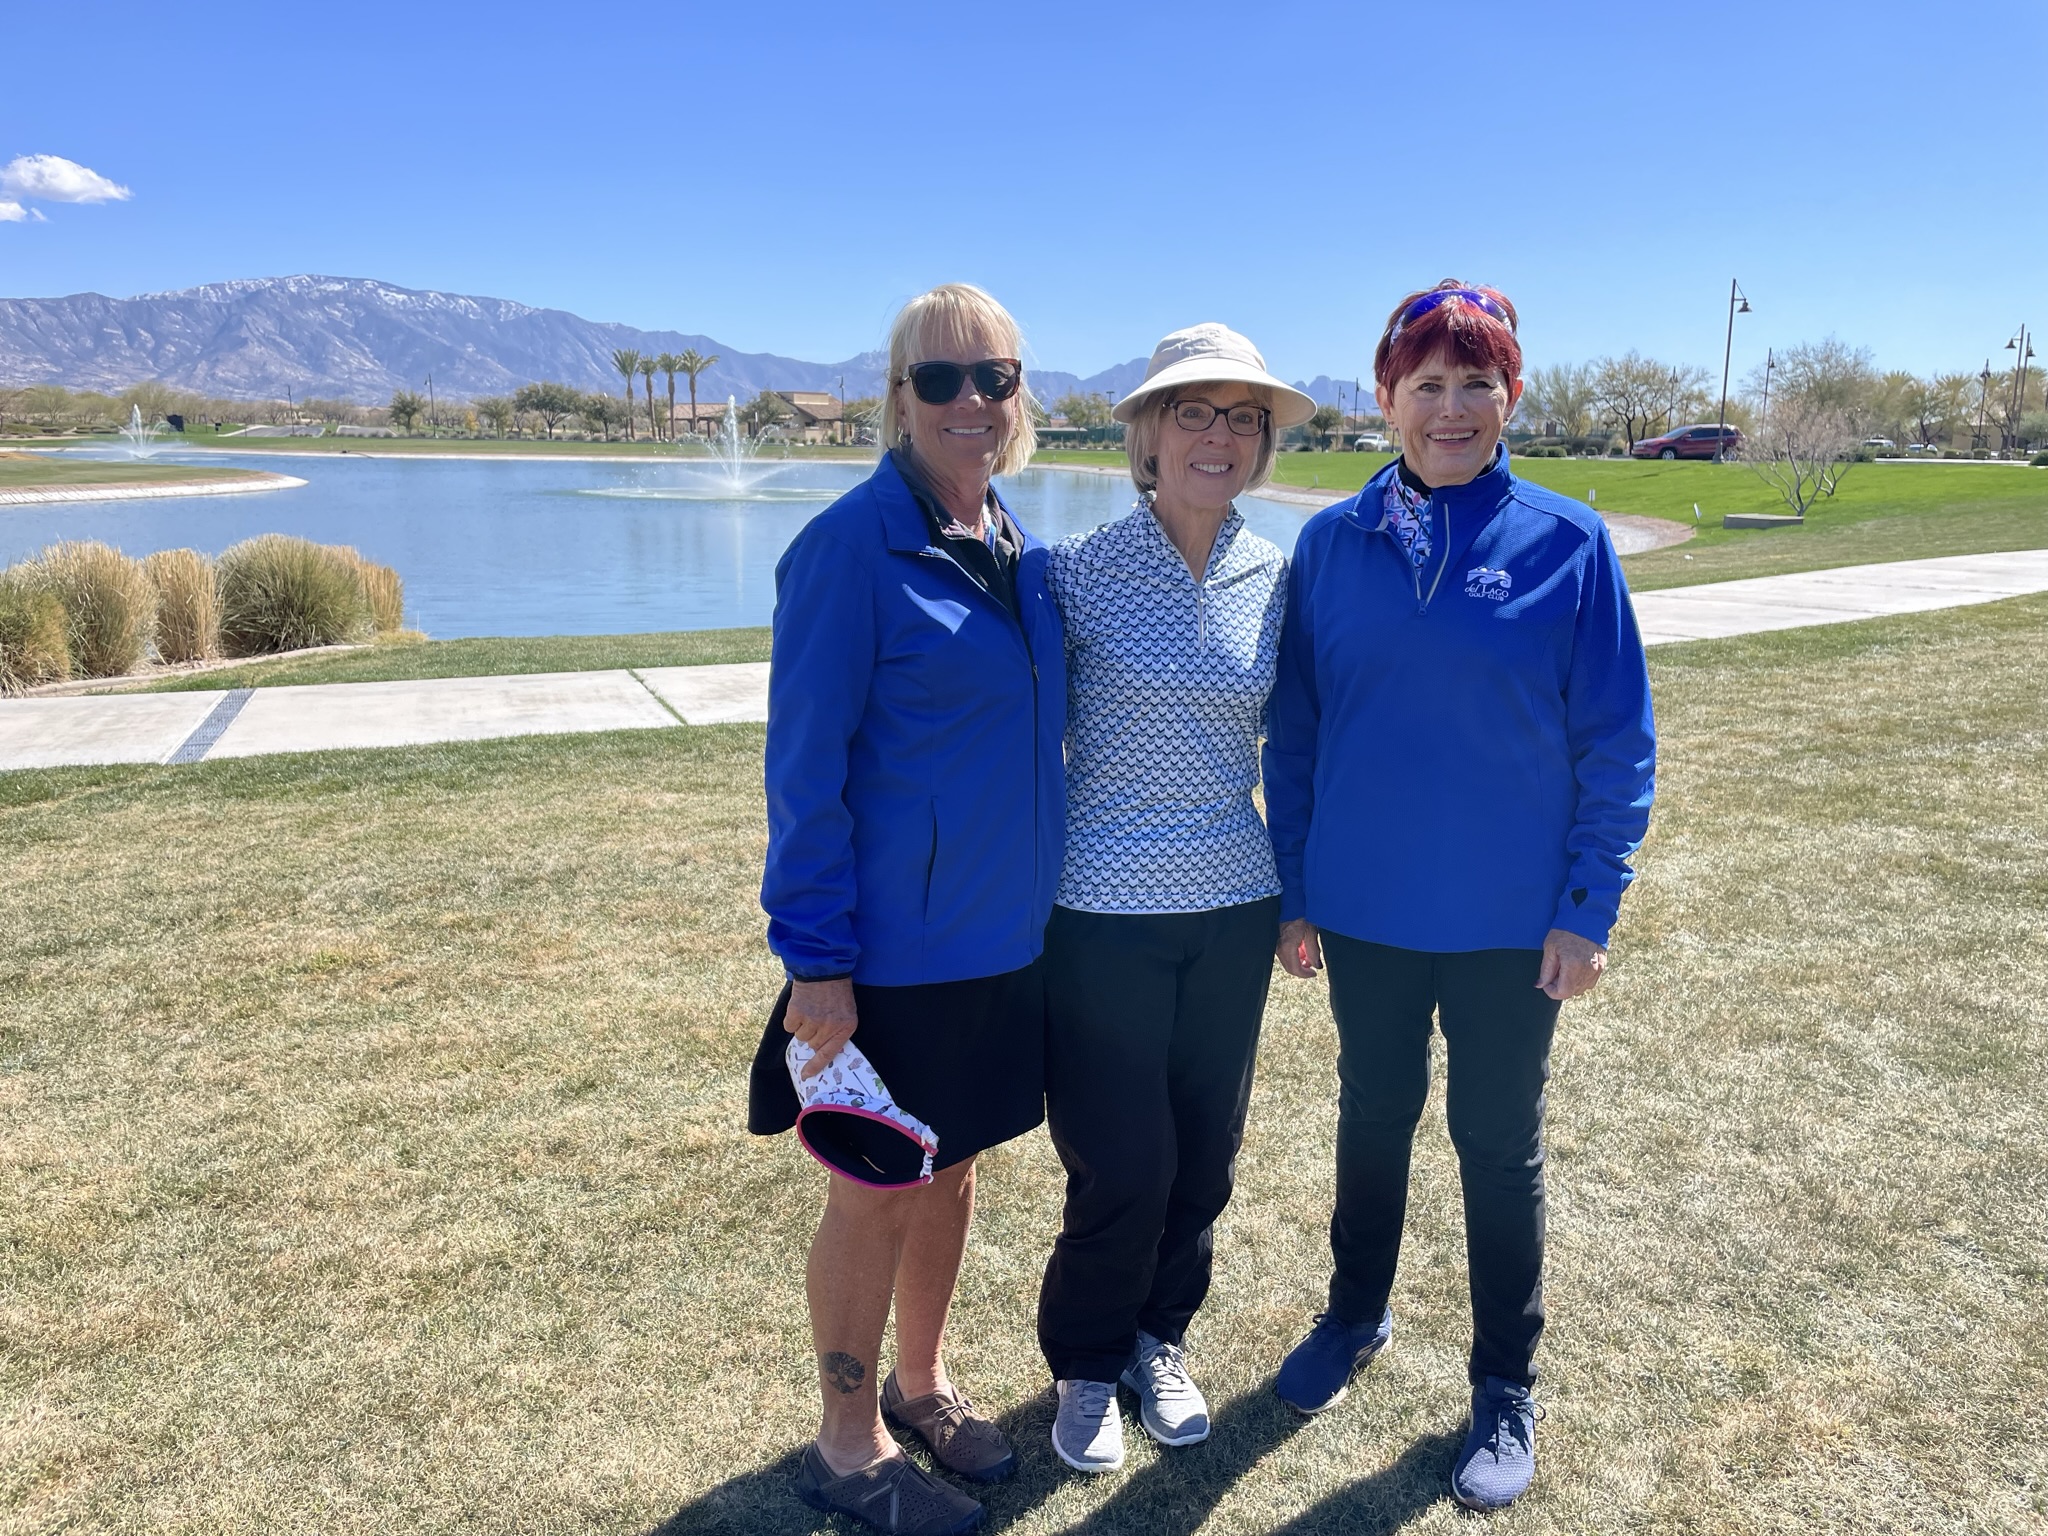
1469 333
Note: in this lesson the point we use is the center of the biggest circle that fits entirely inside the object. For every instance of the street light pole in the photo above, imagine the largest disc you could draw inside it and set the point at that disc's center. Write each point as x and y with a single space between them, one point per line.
2025 349
1983 402
1770 362
1728 351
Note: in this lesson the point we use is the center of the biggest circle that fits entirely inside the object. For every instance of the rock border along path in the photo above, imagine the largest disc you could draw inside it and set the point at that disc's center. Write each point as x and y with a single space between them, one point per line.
250 722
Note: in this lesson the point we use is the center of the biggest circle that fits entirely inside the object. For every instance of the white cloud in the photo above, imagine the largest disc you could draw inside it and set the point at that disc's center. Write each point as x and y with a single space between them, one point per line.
11 213
53 179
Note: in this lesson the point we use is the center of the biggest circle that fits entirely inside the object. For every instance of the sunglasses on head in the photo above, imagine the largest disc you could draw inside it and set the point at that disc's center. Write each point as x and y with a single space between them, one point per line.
1439 296
995 378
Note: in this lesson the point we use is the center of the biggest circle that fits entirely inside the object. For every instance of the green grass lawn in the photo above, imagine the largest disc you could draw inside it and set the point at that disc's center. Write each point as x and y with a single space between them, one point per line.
1884 511
400 661
369 1132
47 472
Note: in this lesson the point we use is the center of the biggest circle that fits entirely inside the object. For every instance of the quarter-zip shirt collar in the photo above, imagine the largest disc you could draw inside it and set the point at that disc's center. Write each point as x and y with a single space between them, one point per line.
1431 528
1167 679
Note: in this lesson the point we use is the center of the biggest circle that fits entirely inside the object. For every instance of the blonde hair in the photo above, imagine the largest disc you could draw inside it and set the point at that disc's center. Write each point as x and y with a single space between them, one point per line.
958 317
1141 438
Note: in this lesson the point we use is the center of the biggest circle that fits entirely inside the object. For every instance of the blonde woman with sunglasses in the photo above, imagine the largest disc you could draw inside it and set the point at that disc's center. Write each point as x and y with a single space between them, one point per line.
915 788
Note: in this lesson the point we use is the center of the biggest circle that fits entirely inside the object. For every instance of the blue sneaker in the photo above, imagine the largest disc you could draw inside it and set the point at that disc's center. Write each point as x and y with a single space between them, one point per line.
1499 1458
1317 1372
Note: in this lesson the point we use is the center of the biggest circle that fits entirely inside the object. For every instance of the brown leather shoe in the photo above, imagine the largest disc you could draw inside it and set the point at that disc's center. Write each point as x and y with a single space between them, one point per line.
961 1440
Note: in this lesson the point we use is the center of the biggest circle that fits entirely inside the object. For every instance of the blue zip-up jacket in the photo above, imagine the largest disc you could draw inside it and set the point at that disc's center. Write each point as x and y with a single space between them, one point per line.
1460 757
916 791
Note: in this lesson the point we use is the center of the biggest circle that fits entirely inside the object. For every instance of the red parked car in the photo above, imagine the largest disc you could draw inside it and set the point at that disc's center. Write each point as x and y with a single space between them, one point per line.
1706 442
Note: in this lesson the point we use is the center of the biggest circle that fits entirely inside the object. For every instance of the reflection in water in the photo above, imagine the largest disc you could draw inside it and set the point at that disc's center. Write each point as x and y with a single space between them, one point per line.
548 546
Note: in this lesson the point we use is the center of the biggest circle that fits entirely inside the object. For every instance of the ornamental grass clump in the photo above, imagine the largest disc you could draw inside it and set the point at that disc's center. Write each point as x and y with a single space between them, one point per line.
187 605
279 593
109 605
383 590
34 647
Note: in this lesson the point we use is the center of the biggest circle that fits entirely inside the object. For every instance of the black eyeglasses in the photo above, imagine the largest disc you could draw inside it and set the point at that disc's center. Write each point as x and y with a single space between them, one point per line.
995 378
1244 420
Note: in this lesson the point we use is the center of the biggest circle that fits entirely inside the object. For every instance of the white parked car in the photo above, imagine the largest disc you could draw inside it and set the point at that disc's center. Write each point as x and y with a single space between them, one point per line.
1879 442
1369 442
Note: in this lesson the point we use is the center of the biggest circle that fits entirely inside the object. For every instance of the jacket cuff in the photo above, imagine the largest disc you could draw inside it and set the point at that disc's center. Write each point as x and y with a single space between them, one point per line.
1582 912
807 974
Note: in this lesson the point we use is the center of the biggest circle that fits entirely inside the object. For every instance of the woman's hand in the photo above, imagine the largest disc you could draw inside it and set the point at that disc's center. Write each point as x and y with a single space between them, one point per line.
1572 966
1300 948
822 1015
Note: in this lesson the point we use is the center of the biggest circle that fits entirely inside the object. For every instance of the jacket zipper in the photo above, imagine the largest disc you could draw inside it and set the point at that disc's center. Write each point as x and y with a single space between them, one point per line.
1030 661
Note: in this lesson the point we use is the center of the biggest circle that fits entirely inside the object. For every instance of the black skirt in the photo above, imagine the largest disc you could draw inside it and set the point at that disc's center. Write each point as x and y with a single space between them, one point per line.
965 1057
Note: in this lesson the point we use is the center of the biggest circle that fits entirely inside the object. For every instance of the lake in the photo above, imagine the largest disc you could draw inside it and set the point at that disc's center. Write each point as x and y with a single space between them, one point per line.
550 546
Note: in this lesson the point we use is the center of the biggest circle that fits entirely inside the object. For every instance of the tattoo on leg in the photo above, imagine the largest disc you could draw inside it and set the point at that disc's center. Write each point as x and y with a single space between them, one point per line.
841 1371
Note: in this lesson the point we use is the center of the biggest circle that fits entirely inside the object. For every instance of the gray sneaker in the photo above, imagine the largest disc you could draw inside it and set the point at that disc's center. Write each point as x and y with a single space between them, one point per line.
1088 1432
1170 1405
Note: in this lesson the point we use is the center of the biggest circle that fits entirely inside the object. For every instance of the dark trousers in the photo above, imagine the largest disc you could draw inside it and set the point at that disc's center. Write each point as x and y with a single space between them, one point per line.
1497 1028
1152 1028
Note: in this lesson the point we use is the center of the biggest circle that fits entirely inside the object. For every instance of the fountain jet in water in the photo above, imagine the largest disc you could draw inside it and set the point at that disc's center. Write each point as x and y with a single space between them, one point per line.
732 453
730 471
141 439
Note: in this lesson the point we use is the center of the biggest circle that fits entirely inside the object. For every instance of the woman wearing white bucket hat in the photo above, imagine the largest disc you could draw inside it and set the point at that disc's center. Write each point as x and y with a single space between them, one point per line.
1159 950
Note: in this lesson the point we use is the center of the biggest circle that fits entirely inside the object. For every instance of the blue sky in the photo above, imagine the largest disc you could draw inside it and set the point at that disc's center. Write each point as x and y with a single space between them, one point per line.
782 177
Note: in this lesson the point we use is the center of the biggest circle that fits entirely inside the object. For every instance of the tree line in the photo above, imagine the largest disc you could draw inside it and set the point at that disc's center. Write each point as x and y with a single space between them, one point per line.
1635 397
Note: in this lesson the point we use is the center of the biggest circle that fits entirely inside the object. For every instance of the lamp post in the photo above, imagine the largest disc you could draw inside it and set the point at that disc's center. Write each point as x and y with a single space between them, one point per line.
1983 402
1727 351
1770 363
2025 350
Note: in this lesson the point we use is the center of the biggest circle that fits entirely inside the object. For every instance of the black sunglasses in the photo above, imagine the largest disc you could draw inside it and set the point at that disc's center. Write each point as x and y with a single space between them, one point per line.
995 378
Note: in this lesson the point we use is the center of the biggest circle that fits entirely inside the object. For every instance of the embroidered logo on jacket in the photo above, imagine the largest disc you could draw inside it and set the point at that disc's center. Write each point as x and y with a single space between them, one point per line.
1483 581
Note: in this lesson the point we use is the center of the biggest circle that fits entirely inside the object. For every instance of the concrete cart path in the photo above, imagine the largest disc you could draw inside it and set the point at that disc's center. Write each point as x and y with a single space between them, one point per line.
248 722
1837 596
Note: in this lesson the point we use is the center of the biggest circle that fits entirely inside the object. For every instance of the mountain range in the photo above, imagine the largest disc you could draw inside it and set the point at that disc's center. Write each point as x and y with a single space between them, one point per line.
358 339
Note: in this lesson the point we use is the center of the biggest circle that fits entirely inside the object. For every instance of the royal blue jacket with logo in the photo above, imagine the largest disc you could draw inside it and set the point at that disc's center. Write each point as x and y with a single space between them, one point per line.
916 789
1459 757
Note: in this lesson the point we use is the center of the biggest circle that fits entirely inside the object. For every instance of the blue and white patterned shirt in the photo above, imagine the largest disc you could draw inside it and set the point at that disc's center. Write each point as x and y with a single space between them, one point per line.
1167 681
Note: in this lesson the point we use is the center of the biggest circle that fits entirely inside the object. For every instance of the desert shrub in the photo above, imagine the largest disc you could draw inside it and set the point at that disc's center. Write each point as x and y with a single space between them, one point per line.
279 593
187 604
382 590
2040 460
109 605
34 645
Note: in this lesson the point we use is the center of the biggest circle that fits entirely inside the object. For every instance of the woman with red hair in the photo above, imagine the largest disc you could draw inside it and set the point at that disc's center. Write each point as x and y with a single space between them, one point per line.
1458 769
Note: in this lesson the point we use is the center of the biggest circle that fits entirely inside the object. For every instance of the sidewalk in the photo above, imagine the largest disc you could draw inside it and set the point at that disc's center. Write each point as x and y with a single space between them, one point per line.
249 722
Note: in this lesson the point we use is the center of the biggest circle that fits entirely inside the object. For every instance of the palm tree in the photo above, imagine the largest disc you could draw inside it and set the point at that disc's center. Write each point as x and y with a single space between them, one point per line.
671 365
627 361
693 363
647 371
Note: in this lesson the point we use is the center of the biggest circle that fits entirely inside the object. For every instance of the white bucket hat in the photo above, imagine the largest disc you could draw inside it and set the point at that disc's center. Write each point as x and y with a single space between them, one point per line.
1213 354
851 1124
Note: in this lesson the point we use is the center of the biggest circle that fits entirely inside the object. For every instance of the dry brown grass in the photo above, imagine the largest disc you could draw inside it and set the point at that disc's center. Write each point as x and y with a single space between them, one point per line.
34 647
382 589
369 1139
109 605
187 605
281 593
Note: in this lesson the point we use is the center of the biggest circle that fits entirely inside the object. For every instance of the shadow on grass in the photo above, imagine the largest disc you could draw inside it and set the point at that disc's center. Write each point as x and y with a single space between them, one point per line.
1172 1495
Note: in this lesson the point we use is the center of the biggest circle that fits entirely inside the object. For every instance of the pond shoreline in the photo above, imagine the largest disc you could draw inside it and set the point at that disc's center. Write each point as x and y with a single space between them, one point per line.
243 485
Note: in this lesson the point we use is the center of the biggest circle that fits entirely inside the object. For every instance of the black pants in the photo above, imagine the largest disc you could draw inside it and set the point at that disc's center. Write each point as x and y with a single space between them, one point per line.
1153 1025
1497 1028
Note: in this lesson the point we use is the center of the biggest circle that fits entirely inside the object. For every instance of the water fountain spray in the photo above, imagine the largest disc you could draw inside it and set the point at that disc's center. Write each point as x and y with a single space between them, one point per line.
141 439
